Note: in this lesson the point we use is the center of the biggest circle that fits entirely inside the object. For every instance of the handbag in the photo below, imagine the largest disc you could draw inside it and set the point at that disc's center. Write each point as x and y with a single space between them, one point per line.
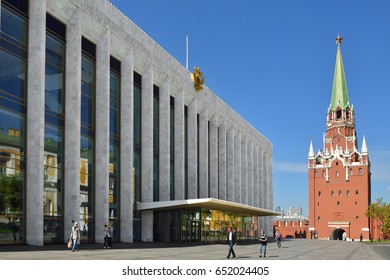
69 243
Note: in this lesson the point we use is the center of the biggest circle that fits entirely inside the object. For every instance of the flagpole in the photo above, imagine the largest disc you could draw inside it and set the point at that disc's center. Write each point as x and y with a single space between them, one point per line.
187 52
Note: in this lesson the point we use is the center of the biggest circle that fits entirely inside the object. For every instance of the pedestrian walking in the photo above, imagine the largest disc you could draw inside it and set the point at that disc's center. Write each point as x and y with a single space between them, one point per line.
278 238
231 238
263 243
107 237
75 237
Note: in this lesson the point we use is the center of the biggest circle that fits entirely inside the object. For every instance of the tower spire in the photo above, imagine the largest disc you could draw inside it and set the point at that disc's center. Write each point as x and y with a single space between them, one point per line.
311 151
339 90
364 146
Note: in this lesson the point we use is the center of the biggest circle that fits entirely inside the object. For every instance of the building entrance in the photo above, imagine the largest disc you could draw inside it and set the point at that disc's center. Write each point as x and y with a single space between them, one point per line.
338 234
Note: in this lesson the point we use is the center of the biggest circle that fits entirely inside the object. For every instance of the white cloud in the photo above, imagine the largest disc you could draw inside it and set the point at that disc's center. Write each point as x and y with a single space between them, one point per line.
291 167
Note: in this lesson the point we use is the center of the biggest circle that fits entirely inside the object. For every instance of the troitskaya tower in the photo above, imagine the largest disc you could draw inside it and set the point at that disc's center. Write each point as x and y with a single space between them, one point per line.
339 174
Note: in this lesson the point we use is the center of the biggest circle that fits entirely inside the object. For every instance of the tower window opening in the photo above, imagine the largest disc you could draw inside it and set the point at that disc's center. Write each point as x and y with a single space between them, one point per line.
332 193
338 203
340 193
338 114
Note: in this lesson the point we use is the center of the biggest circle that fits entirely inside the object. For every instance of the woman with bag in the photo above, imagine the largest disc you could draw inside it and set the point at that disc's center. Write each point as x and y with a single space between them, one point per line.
75 237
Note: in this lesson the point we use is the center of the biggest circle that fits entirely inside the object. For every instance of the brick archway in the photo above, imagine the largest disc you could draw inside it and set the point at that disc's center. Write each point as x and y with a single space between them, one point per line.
337 234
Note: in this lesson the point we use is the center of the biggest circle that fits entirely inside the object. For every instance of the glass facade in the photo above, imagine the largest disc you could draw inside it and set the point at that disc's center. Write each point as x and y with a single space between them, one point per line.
13 67
54 130
202 225
87 139
114 156
137 155
172 148
156 136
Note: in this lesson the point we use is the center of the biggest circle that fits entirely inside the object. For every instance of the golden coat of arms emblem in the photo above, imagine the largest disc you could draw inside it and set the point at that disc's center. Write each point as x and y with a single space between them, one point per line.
198 79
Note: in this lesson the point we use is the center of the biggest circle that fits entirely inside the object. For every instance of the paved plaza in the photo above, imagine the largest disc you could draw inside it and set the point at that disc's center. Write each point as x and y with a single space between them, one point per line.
292 249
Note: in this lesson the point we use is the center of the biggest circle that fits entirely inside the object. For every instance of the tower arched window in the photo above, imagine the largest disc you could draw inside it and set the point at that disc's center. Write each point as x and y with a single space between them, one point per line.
350 172
360 171
332 193
319 193
338 114
340 193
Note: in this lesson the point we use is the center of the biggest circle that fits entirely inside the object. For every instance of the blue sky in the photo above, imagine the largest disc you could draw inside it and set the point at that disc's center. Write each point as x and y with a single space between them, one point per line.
273 62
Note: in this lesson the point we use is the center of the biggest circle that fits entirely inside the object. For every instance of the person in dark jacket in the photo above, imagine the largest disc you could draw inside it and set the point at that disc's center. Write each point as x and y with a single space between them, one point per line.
231 239
263 243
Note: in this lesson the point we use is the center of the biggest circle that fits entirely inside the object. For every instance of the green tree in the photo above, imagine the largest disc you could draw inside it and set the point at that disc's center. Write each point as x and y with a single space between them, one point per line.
380 211
10 195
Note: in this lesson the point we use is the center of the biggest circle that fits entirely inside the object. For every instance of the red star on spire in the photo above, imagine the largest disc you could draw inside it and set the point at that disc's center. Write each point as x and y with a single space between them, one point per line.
339 39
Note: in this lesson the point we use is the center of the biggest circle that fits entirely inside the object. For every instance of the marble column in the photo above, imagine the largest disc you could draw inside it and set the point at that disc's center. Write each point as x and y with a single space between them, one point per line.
222 182
164 141
203 154
270 206
193 149
179 145
102 134
244 171
230 165
72 122
126 145
255 176
237 167
35 122
147 152
265 180
250 172
213 157
261 177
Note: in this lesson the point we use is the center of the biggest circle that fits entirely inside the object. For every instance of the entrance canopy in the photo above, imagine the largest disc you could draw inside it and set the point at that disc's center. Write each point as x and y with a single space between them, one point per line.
210 203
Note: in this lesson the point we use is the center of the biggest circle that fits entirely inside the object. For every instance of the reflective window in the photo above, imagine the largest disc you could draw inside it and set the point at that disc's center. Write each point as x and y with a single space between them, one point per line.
114 155
88 92
12 76
156 102
87 140
13 27
55 52
13 65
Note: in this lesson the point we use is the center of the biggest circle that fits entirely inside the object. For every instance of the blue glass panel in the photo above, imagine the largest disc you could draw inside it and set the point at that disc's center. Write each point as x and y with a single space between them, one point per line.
55 51
13 26
12 130
54 89
12 75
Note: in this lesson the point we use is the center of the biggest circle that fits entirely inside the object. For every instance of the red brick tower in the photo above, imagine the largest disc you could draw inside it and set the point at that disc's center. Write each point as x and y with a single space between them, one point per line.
339 174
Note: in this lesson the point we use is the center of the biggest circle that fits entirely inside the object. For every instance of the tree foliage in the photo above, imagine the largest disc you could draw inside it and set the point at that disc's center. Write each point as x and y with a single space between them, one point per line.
380 211
10 193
